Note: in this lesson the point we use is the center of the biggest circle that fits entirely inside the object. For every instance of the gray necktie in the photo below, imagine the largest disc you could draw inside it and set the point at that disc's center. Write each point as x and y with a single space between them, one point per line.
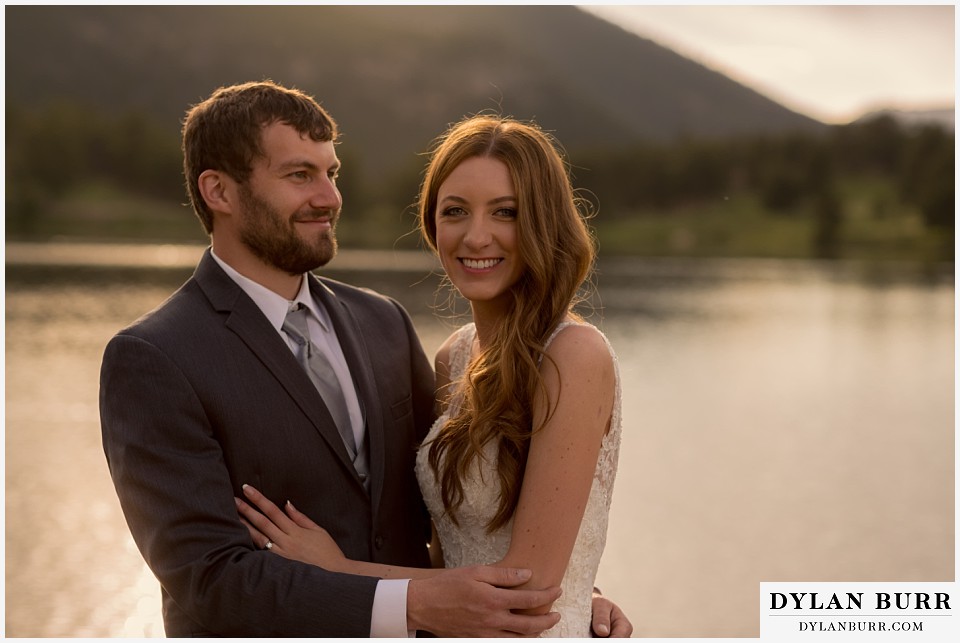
315 363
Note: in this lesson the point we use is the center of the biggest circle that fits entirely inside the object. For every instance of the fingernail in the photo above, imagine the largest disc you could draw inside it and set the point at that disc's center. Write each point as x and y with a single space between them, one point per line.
245 486
603 629
524 573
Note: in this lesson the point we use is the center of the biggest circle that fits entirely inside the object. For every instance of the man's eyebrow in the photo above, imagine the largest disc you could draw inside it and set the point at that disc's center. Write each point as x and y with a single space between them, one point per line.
304 164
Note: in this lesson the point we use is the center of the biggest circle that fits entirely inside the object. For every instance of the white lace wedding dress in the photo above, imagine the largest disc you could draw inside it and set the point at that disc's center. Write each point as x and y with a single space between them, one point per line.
470 544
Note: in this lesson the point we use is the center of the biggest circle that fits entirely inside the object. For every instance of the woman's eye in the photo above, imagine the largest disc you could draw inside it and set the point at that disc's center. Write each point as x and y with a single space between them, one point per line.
507 213
453 211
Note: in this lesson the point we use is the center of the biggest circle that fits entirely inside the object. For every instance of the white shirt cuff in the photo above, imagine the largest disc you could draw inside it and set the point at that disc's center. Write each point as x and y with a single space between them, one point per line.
389 618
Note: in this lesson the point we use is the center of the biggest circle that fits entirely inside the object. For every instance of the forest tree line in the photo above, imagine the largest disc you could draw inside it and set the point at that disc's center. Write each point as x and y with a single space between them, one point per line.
62 150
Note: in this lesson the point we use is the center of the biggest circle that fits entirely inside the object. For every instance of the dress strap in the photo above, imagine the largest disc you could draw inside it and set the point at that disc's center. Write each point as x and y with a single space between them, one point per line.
564 324
556 331
460 350
459 358
462 345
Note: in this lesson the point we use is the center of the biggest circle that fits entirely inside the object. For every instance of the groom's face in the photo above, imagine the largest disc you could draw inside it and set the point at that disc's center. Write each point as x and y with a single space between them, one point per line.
290 205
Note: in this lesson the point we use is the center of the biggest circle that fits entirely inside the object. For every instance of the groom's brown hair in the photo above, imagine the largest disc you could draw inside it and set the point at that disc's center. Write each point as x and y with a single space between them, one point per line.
223 132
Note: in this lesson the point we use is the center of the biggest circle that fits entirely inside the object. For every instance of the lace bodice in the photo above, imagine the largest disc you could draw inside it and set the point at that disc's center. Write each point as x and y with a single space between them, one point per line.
470 544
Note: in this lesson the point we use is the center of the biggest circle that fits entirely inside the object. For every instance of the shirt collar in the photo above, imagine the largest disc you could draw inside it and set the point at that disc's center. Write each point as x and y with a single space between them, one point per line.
273 306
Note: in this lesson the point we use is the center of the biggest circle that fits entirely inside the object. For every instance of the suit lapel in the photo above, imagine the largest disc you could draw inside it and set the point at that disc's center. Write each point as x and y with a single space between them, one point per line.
361 369
247 321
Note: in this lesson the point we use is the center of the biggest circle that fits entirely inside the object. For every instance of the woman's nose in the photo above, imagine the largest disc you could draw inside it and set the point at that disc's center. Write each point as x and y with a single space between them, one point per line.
478 233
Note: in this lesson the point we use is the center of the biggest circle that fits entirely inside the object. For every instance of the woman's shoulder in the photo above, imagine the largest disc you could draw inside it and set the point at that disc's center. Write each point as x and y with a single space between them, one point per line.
577 345
451 347
577 335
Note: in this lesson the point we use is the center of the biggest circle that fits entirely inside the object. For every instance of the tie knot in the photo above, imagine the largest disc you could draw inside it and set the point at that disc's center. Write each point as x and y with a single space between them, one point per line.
295 324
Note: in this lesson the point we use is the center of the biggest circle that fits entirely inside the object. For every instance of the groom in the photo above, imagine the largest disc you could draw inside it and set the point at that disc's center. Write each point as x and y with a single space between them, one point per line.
205 394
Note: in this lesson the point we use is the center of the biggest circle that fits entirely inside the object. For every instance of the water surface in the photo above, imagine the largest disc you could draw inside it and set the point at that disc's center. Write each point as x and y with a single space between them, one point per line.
783 421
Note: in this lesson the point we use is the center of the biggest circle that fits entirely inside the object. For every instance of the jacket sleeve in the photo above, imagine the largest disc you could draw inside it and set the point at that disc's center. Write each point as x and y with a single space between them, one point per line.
422 378
177 497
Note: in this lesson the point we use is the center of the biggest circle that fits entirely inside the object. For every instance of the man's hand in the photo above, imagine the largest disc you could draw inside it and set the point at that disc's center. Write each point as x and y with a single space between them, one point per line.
608 619
477 602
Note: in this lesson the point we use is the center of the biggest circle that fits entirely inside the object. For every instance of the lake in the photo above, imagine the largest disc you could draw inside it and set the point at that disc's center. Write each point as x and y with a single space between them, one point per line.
783 421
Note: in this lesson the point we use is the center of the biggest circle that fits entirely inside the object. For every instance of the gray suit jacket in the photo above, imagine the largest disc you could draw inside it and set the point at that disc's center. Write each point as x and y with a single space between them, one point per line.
202 395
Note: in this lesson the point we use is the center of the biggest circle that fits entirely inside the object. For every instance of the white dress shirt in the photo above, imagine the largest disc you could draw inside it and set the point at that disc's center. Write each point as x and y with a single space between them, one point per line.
389 617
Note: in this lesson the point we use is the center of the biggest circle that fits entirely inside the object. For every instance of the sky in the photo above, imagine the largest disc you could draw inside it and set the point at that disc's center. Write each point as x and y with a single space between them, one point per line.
831 62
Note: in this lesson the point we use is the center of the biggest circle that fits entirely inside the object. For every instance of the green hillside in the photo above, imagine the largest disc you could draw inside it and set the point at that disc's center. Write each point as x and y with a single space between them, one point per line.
392 76
679 159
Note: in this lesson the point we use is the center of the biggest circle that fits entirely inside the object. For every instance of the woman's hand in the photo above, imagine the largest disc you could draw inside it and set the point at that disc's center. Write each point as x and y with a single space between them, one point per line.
292 534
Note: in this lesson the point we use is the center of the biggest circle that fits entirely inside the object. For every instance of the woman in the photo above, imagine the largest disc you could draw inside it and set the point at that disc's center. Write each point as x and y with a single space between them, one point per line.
519 467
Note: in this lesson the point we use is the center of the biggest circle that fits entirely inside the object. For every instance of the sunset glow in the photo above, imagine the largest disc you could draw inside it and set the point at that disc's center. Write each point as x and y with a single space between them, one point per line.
833 63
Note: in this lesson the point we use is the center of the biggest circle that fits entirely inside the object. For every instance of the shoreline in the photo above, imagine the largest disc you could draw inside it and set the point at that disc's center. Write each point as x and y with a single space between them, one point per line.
185 256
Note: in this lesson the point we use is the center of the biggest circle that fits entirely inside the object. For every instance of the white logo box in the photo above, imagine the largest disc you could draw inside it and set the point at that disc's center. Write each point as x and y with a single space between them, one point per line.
859 612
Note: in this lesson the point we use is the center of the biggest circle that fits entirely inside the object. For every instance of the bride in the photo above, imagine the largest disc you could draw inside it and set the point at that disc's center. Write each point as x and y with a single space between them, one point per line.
518 469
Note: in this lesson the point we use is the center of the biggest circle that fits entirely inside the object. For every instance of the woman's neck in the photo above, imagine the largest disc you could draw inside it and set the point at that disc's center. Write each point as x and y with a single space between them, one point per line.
486 319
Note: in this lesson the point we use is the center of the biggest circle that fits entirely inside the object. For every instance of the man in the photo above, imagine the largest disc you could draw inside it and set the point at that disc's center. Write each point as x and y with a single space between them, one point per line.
213 390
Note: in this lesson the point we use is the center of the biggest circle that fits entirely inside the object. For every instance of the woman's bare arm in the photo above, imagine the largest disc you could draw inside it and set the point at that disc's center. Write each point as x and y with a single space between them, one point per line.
563 454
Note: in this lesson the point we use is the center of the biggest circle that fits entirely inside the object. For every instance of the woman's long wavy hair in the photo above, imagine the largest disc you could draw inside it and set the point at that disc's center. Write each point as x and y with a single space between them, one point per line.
557 252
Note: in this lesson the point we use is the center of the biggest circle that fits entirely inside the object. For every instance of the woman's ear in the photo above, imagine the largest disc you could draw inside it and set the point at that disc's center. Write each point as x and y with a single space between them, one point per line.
215 187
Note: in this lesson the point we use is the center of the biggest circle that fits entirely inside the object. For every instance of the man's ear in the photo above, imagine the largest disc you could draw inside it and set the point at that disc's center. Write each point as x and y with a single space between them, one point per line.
218 191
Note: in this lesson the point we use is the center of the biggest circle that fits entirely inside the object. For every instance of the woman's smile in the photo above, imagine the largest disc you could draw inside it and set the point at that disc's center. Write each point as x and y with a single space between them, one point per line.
480 265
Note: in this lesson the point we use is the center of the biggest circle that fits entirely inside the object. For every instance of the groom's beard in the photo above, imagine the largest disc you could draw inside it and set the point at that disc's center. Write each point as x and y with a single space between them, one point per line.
275 239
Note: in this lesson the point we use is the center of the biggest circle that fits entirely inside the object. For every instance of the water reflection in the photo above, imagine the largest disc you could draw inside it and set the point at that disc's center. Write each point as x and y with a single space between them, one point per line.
782 421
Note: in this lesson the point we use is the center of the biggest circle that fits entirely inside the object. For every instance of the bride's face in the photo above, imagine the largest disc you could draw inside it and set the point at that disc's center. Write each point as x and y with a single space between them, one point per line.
476 223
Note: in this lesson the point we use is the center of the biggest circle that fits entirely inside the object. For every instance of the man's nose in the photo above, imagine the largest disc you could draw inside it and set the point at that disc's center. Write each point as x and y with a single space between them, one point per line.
326 196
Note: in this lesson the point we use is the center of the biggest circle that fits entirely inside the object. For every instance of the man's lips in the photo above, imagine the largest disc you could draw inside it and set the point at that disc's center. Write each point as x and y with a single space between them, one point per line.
323 222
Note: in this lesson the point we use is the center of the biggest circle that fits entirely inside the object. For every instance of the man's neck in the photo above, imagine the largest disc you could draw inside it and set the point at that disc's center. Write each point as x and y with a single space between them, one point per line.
255 269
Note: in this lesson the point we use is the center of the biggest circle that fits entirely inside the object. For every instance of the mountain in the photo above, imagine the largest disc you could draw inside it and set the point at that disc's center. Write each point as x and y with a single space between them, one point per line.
392 76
